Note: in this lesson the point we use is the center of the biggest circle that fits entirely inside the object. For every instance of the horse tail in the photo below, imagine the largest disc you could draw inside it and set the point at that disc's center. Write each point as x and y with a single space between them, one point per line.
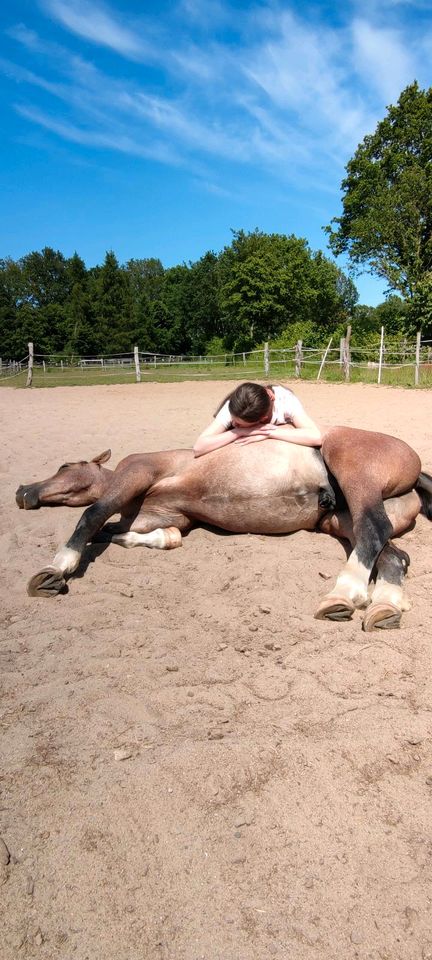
424 490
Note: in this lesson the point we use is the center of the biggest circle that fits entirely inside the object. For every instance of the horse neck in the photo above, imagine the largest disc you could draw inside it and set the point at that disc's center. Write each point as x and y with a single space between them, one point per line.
104 482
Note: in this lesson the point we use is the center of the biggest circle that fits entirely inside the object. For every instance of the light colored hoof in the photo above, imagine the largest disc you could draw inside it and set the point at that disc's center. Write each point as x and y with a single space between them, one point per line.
382 616
173 538
49 582
335 608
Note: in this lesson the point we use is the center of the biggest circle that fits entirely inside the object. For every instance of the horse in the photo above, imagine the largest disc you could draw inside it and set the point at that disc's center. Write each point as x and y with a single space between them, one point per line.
364 487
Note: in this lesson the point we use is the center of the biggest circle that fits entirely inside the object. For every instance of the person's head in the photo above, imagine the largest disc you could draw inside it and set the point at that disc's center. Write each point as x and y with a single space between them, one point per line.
250 404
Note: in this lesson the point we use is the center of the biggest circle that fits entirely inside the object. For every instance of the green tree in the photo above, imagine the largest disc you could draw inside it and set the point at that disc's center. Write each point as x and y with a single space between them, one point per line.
145 279
45 293
272 282
201 311
80 333
12 340
113 306
175 302
386 223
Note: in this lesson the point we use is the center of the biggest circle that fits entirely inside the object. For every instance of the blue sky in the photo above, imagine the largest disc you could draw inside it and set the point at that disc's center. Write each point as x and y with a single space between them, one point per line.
153 129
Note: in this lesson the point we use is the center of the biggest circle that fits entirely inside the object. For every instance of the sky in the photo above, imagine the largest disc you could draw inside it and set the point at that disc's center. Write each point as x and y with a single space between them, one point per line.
154 129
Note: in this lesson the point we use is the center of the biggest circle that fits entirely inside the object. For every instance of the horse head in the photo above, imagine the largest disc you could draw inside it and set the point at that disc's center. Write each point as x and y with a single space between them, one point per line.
75 485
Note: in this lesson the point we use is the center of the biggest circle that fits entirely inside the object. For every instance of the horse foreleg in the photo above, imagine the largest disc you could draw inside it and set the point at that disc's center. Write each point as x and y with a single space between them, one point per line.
52 579
154 532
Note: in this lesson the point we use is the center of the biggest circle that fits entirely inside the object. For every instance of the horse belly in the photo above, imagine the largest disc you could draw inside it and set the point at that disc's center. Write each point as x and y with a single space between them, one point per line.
284 513
248 490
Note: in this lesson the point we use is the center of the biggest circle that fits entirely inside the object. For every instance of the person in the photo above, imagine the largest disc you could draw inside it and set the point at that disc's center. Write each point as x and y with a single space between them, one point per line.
253 412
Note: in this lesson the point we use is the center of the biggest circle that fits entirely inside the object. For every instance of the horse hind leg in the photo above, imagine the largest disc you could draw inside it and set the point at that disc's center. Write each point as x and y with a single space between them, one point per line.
388 600
368 534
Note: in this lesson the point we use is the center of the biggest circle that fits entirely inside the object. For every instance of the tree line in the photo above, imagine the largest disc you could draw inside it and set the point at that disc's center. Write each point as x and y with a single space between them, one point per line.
260 287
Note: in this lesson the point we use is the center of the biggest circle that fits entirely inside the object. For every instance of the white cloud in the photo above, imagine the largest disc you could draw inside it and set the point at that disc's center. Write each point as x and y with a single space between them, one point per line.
206 13
97 25
113 141
382 59
291 98
303 70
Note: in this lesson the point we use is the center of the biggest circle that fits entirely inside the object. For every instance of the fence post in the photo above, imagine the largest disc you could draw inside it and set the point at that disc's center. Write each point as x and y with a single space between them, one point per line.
341 351
30 366
380 362
266 359
324 358
298 358
417 358
137 365
347 353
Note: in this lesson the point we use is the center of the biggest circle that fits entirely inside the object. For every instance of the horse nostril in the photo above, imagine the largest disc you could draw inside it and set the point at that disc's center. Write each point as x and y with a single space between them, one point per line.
30 499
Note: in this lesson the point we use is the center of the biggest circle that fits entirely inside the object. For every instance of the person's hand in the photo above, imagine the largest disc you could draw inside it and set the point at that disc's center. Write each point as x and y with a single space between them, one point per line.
262 430
252 438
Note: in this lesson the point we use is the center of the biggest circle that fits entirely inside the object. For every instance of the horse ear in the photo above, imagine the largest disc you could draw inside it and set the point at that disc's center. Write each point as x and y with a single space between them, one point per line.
103 457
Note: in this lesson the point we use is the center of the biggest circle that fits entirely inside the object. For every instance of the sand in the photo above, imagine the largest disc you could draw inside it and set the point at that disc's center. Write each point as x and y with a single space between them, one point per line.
191 765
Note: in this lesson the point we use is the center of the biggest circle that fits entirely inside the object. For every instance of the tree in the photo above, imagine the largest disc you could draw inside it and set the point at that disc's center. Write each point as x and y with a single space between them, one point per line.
11 292
272 282
202 321
113 306
263 284
387 197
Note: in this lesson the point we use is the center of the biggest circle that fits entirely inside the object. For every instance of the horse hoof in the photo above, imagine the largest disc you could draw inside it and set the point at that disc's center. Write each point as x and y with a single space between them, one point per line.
335 608
47 583
381 616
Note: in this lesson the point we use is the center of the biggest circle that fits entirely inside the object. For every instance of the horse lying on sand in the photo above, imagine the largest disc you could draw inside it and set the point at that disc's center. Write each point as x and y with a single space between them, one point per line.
264 488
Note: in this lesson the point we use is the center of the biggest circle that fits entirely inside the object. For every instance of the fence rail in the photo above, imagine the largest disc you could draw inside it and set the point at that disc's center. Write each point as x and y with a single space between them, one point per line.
390 361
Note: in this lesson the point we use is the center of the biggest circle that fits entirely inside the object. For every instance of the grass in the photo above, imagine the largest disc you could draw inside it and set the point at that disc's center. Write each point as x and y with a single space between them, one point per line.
251 370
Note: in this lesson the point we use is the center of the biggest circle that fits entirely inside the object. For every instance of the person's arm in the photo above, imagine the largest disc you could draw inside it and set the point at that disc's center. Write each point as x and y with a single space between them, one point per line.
214 436
303 431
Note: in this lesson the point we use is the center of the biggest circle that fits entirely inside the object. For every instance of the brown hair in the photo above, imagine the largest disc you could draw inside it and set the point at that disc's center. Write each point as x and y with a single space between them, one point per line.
249 401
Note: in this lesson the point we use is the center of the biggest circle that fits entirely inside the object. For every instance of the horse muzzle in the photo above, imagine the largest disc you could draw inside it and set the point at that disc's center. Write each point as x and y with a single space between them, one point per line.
27 498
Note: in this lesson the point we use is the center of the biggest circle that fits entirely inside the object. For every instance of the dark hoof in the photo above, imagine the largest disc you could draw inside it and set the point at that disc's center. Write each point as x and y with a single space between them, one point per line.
405 558
382 616
335 608
326 499
47 583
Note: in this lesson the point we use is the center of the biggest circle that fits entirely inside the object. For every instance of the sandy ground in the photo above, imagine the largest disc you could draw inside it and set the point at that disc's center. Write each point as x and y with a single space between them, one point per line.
276 796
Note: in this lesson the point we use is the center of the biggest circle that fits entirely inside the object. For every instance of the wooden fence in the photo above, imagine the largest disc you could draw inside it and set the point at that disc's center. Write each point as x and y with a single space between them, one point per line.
342 361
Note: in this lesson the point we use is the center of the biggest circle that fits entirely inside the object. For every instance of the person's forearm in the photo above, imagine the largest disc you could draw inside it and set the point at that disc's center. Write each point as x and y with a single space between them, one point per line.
302 435
207 444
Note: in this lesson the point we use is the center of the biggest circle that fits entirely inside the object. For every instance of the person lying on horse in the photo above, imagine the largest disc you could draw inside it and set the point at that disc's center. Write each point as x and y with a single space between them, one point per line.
253 412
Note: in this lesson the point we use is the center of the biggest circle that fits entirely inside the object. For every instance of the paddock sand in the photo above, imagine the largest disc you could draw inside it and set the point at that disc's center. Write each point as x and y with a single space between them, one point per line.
276 796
